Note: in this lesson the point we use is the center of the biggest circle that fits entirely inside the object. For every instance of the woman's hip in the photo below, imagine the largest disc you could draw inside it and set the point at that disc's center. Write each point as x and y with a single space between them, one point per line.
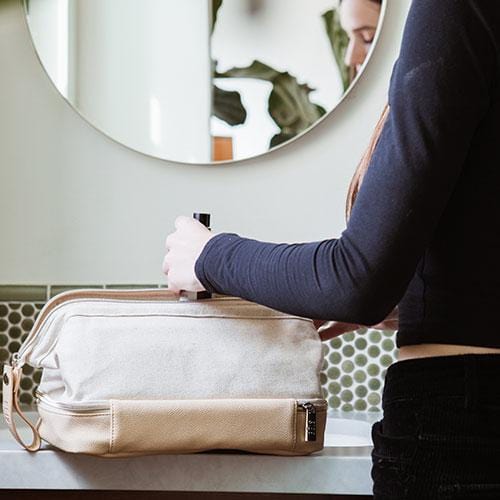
439 435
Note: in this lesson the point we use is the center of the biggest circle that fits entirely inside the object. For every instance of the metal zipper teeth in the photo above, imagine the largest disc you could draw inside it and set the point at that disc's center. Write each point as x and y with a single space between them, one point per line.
302 405
310 421
310 430
90 293
97 293
44 400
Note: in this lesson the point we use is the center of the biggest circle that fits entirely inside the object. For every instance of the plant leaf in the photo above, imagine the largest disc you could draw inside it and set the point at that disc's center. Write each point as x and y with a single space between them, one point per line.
339 41
216 5
228 107
257 70
289 104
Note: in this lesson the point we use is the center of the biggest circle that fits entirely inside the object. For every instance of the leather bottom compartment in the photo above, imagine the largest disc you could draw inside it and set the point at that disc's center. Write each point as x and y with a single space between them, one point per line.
141 427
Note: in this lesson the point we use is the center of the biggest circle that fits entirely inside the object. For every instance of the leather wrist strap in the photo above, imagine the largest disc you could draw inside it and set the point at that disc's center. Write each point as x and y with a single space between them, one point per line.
11 382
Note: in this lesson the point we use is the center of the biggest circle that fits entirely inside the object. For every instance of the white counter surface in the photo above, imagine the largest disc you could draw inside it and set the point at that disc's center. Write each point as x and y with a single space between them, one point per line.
342 467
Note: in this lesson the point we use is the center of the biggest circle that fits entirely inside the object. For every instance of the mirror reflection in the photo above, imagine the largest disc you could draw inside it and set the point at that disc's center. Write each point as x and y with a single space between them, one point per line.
206 80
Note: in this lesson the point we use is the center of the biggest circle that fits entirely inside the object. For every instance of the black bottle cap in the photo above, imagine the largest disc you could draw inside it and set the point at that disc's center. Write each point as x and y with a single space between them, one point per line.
203 218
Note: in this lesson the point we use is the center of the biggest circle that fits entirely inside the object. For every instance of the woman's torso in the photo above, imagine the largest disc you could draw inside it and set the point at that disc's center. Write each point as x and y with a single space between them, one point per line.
452 303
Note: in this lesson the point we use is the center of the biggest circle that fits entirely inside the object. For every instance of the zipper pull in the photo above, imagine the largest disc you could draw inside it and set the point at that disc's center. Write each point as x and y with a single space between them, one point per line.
310 427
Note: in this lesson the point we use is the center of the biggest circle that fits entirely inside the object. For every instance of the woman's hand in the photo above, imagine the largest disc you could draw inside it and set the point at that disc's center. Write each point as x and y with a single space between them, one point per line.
329 329
183 247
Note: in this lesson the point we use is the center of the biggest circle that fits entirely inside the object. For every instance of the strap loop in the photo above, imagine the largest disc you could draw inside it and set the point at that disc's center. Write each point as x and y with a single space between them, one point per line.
11 383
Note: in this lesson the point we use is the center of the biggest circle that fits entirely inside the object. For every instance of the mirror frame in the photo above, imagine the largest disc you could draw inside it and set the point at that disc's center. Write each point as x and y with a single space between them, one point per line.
349 89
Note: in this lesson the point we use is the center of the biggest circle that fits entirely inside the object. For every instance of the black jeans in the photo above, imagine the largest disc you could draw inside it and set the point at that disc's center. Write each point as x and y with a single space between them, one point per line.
439 437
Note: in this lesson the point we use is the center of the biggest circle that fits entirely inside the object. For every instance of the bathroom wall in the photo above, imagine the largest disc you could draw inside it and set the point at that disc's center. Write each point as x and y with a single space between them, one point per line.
77 208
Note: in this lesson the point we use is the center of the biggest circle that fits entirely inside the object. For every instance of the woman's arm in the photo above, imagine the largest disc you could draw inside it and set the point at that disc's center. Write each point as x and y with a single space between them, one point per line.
438 94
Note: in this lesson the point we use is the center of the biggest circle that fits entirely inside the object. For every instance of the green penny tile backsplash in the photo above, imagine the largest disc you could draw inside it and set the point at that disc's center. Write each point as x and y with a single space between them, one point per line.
353 369
16 320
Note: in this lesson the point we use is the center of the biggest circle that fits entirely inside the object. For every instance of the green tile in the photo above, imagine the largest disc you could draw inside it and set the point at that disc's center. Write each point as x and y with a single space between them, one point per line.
334 402
14 317
346 396
373 398
334 388
347 366
360 405
348 351
22 293
28 310
56 289
15 332
361 391
333 372
335 358
360 343
26 399
360 360
388 345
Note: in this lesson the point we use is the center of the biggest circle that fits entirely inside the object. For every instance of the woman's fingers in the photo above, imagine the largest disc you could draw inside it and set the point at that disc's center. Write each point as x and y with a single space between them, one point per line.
336 328
389 323
165 265
183 247
319 322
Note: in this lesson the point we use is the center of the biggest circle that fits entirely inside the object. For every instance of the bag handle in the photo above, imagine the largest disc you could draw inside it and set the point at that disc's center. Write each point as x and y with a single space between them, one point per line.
11 382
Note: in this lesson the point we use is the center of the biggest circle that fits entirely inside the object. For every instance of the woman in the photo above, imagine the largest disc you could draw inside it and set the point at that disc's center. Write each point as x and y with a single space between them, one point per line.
423 234
359 19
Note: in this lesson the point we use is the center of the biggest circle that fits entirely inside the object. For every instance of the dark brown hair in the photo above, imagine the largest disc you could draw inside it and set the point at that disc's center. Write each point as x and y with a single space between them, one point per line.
365 160
362 167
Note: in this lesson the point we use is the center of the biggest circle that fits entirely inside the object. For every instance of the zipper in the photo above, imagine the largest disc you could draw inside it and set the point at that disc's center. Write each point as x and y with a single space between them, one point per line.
45 401
96 293
310 421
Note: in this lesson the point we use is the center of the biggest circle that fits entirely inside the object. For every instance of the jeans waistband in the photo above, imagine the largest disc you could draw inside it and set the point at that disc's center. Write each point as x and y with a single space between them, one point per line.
443 375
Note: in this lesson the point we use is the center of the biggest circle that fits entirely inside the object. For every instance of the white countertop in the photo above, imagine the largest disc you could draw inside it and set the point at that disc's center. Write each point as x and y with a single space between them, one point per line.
342 467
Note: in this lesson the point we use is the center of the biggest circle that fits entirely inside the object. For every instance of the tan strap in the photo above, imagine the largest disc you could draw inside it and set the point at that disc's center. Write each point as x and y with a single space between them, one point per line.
11 383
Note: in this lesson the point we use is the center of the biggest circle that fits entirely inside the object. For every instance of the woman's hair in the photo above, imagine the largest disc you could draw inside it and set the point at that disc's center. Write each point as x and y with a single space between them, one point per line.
365 160
364 163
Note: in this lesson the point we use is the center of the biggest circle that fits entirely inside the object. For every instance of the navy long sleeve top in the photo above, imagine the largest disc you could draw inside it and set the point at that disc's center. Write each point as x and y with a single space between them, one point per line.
424 232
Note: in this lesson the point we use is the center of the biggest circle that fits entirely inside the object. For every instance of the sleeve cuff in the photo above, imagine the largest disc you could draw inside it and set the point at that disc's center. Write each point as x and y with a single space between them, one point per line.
206 264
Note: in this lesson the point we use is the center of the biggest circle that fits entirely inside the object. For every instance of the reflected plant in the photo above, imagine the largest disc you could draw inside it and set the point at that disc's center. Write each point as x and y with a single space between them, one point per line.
339 41
289 105
216 5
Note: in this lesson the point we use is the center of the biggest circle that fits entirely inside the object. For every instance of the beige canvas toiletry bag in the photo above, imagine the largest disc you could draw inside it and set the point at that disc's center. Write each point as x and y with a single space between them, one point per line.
135 372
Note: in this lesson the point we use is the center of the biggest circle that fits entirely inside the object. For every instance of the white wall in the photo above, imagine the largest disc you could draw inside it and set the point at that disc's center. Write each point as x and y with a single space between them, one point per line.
76 207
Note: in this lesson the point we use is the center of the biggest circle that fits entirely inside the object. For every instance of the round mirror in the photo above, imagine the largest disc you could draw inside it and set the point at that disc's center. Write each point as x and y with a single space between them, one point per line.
204 81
